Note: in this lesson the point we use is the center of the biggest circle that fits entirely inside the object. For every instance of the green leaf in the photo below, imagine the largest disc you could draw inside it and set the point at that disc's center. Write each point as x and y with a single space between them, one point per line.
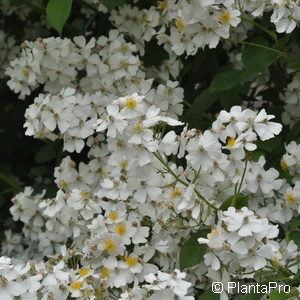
240 201
295 236
276 295
226 80
200 105
252 296
256 154
255 60
39 171
230 98
270 145
111 4
209 295
192 253
46 153
294 223
294 133
58 12
10 181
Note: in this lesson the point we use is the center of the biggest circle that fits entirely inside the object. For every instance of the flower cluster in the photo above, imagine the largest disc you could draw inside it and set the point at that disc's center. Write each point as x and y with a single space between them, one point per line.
185 26
107 64
143 185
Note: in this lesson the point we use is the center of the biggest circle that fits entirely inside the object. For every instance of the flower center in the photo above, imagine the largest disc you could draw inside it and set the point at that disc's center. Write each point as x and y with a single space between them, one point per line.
231 142
163 4
225 17
138 128
179 24
290 198
109 245
131 103
131 261
121 229
84 272
114 215
283 164
104 272
123 164
84 195
176 192
76 285
216 231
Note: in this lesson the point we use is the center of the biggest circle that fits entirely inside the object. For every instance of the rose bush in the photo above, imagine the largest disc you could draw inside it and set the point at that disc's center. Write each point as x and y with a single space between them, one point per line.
166 153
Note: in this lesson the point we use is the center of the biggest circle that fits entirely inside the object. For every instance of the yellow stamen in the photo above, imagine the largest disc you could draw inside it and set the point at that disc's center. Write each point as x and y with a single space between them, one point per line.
290 198
131 261
121 229
163 4
138 128
124 48
114 215
225 17
130 103
231 142
109 246
26 73
179 24
102 172
84 272
63 185
275 260
104 272
176 192
84 195
76 285
123 164
283 164
216 231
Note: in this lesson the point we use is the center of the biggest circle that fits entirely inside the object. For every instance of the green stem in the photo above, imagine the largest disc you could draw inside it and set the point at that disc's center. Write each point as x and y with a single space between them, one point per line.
270 33
170 171
243 177
259 46
187 104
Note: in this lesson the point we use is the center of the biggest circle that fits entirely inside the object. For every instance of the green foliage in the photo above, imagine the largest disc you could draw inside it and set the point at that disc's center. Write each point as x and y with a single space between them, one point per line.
191 253
208 295
270 145
229 86
252 296
255 60
294 133
111 4
58 12
238 201
200 105
295 236
227 80
46 153
294 223
276 295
